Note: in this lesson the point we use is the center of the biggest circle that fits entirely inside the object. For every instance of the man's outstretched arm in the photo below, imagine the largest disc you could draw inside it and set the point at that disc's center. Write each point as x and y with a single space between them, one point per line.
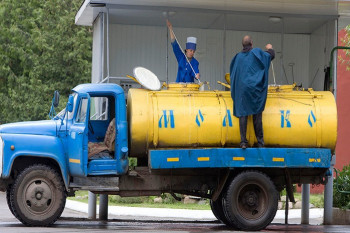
270 50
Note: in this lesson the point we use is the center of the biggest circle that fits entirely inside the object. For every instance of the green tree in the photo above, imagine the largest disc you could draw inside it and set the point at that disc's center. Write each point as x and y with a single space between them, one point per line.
341 189
344 55
41 50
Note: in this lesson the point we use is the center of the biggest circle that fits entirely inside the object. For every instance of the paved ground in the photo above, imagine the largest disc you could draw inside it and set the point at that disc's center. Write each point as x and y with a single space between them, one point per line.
136 213
73 221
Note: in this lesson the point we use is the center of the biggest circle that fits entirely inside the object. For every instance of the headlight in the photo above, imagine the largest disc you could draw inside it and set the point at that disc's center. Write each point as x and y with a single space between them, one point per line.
1 154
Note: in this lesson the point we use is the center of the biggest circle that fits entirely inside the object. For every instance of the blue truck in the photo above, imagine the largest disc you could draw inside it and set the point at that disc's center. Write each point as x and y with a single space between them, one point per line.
43 162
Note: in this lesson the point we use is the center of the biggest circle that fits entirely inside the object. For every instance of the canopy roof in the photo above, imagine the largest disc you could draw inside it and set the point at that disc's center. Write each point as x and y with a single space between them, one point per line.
298 16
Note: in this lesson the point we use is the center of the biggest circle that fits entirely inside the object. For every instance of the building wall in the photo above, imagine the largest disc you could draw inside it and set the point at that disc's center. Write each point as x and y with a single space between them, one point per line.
343 96
132 46
147 46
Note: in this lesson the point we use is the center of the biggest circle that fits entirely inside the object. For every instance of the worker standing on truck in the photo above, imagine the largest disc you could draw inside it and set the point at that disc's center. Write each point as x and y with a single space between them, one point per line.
188 65
249 72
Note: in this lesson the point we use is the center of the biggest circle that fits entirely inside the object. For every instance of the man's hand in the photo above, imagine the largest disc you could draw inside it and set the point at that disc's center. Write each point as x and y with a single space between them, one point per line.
172 36
197 76
268 46
169 25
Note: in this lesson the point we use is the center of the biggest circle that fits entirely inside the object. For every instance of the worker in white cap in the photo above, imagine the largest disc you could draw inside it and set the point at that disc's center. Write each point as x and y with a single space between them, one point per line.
185 72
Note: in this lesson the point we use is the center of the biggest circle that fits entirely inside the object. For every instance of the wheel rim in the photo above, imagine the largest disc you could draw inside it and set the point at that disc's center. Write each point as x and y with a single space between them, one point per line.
252 201
38 196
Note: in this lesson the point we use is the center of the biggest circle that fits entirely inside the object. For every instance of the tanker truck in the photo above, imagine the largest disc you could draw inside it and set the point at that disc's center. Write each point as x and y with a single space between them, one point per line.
185 141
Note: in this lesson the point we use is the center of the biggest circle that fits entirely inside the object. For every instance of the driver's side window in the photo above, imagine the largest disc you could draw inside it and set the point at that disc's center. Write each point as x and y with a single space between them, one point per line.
81 114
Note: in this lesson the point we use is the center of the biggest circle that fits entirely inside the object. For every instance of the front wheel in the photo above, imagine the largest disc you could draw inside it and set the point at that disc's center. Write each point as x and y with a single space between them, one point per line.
38 196
8 192
251 200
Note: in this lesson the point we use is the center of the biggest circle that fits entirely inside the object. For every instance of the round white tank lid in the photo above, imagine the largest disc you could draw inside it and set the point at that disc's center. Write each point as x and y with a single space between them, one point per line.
147 78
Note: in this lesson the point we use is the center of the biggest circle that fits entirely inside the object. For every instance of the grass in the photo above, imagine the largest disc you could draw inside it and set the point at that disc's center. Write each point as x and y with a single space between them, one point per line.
316 199
147 202
169 202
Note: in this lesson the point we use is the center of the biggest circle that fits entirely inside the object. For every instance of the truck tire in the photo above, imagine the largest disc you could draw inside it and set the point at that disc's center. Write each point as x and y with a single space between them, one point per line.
38 196
251 200
218 210
8 192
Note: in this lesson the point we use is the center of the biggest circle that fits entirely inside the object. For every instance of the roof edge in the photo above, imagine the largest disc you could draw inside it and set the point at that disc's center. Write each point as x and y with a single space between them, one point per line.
78 17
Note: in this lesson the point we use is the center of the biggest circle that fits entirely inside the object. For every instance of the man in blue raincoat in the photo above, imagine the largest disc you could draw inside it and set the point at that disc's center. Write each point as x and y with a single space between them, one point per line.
185 73
249 73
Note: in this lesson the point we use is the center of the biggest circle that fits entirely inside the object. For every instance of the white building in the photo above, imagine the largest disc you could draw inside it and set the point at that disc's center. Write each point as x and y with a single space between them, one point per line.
130 33
302 32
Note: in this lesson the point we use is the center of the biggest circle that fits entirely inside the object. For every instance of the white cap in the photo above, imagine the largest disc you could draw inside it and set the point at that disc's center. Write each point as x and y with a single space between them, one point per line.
192 40
191 43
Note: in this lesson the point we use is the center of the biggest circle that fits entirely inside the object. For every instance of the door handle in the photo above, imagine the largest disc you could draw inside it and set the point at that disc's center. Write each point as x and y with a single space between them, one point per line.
80 132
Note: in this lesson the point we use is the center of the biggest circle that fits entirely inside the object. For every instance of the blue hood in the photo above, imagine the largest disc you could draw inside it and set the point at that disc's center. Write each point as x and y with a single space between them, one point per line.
47 127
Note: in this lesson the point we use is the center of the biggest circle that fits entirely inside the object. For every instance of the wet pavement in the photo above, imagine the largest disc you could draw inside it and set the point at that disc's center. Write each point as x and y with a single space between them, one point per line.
75 221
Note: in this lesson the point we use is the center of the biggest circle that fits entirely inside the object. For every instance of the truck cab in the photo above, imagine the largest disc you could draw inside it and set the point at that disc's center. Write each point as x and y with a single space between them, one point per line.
38 160
96 131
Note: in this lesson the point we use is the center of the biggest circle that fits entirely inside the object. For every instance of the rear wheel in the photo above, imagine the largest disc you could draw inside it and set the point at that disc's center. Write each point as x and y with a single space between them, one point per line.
38 196
251 201
218 210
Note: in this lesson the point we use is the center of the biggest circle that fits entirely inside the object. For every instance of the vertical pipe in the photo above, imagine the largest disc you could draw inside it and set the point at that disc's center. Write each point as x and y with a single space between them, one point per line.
224 49
305 203
286 209
103 210
282 45
102 46
92 206
335 61
107 26
91 196
328 190
328 197
167 56
328 202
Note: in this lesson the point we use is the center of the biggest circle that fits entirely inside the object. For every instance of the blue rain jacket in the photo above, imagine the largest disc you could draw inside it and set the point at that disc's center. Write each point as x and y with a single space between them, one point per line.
249 73
184 71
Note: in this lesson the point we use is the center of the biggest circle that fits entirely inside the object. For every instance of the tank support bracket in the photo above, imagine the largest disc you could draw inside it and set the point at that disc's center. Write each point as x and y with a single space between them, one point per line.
221 185
289 186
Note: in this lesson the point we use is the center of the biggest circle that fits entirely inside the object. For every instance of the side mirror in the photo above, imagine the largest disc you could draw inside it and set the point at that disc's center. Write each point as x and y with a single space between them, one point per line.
56 99
70 103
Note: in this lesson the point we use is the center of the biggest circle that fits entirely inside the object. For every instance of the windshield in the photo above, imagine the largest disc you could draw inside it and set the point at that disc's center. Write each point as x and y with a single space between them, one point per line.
60 115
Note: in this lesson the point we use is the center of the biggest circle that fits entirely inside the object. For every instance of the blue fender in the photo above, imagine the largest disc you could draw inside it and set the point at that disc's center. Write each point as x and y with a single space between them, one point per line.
28 145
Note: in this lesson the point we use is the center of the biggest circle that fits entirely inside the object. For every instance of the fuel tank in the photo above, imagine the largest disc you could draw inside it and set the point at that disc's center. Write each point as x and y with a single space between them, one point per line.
184 117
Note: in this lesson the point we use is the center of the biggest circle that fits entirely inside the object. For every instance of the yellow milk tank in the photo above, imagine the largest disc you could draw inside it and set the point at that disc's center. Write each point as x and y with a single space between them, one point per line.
184 117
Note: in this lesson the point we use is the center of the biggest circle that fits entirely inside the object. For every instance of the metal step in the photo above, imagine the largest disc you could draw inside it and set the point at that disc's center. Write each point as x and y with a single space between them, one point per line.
95 183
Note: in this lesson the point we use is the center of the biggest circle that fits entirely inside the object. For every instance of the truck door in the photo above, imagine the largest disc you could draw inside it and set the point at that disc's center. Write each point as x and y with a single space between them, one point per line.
78 138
